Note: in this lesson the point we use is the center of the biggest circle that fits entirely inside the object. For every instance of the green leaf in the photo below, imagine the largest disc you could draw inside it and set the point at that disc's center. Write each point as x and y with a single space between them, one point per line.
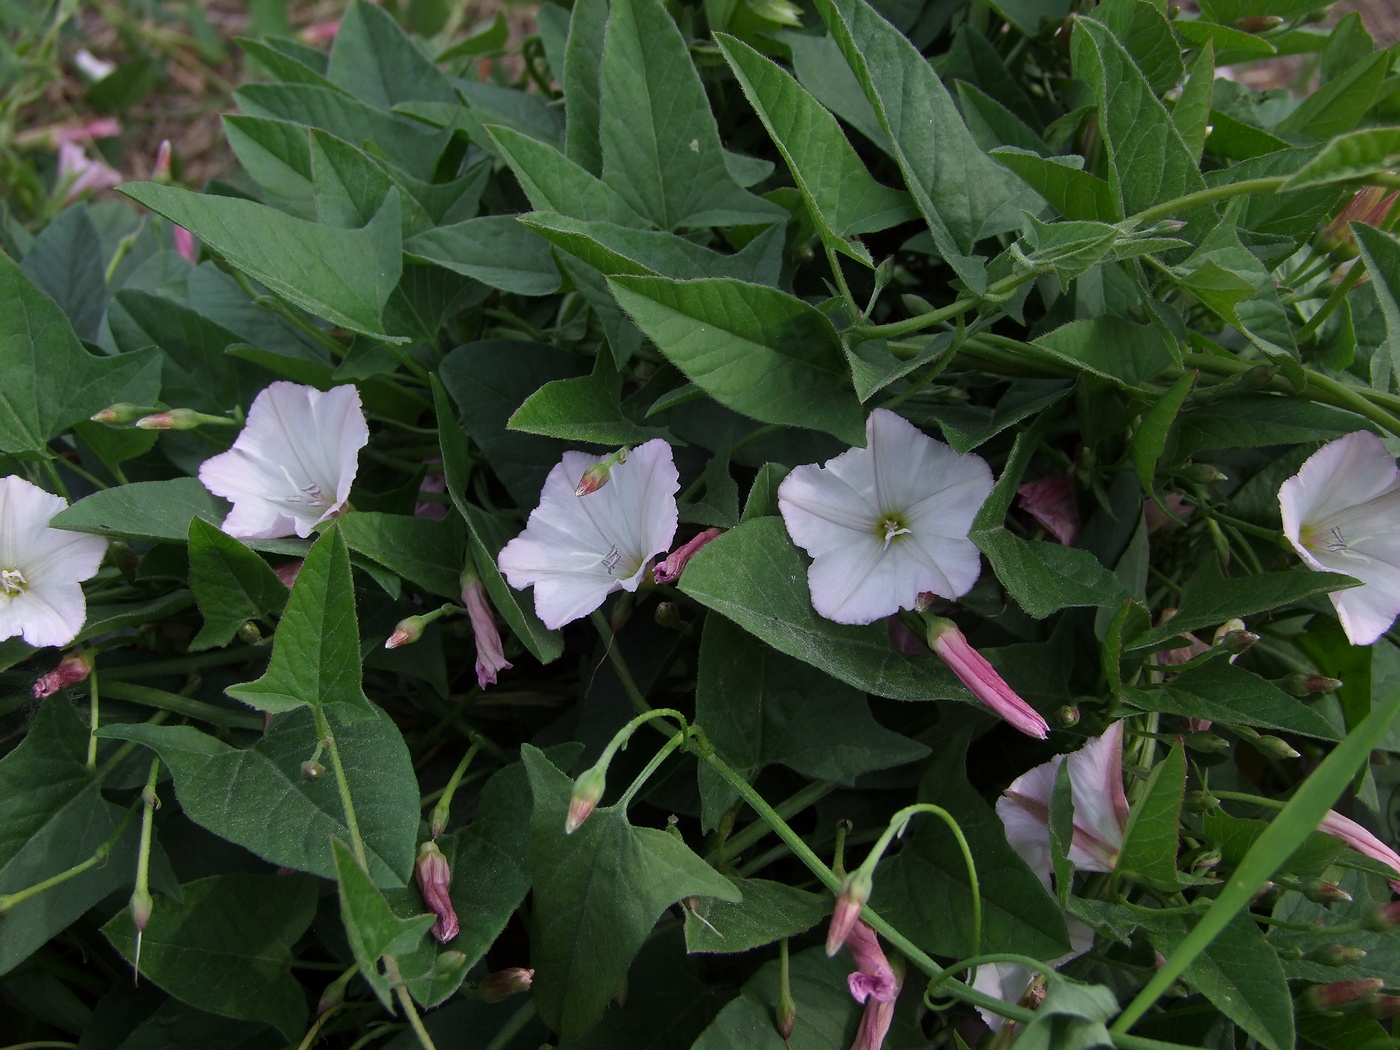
373 60
231 583
348 187
53 817
258 798
1151 434
615 250
1149 162
486 535
827 1016
421 550
1150 839
754 576
552 182
962 193
1111 348
227 946
581 80
1220 692
1253 419
1071 191
372 929
1338 105
1191 114
1235 836
924 892
758 706
1348 158
494 249
144 510
583 409
756 350
345 276
316 652
1143 30
1240 973
65 262
843 198
660 145
768 912
1381 253
597 894
965 427
1045 577
51 382
1209 599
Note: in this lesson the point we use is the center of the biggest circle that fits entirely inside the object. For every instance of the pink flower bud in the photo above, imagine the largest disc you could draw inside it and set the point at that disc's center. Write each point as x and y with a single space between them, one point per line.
855 891
161 171
73 668
141 907
596 476
1336 955
433 881
1322 997
184 243
1369 205
982 678
319 33
588 789
490 655
875 983
1386 917
408 631
287 572
669 570
504 983
119 415
79 174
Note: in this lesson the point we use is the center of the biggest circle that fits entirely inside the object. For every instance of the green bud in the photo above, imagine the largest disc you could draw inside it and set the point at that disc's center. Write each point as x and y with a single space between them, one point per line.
588 789
1200 801
1302 684
1206 741
1067 716
123 414
1335 955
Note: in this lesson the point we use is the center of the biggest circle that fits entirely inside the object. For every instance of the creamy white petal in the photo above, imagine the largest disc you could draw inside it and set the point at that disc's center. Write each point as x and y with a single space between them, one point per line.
293 464
1368 611
576 550
63 557
46 613
1024 809
861 582
1342 473
821 510
25 510
43 599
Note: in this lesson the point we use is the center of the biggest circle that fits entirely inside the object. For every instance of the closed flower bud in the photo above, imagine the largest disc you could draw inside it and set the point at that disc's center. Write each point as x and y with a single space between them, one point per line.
1067 716
1200 801
161 172
1202 474
1383 1007
504 983
667 615
433 881
1384 918
1335 955
1210 743
598 475
1320 891
1322 997
181 419
1301 684
141 907
408 631
1258 23
250 634
334 994
73 668
1259 377
855 891
588 789
312 771
123 414
1272 745
1206 860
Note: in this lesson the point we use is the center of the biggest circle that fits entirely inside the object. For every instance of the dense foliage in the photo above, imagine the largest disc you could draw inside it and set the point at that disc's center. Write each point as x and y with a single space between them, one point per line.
905 395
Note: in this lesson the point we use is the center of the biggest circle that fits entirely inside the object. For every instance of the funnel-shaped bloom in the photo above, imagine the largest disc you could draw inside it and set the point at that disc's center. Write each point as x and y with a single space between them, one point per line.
41 569
1340 513
292 466
1361 840
434 879
886 522
490 655
79 174
576 550
1050 501
875 983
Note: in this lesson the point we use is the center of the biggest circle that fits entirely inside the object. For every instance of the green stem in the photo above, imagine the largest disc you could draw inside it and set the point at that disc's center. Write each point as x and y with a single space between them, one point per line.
181 705
787 809
115 759
93 722
835 261
1167 209
995 292
624 674
391 970
650 768
1273 535
1333 300
443 810
183 664
1253 800
323 729
8 901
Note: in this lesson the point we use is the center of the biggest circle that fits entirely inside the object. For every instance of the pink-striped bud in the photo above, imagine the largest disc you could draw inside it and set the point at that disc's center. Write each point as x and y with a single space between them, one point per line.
981 677
73 668
855 891
588 790
1321 997
408 631
504 983
490 654
433 882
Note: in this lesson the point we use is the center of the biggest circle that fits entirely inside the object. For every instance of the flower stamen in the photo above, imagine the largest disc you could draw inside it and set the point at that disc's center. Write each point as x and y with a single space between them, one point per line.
893 527
1338 544
12 582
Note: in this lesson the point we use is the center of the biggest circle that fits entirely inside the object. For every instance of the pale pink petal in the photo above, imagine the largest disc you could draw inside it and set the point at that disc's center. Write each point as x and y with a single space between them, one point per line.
1361 840
1024 810
1050 501
1100 804
975 672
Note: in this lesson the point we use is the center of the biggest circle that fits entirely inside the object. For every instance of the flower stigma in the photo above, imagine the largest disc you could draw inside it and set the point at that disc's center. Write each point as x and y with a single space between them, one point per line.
893 527
12 582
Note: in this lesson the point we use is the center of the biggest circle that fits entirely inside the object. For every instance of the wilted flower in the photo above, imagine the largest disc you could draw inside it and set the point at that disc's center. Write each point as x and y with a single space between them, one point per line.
981 677
79 174
886 522
576 550
41 569
875 983
292 466
1050 501
433 881
434 483
73 668
1340 512
669 571
490 655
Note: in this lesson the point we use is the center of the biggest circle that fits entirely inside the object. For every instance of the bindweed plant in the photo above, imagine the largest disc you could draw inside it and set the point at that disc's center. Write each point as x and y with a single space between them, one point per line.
741 525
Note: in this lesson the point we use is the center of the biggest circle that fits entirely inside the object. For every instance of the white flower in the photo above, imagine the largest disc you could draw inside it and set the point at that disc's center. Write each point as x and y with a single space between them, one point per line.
41 569
576 550
886 522
1341 512
292 466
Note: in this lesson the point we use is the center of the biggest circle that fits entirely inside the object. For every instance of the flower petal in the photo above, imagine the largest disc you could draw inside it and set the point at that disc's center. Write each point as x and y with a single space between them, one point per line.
1100 804
46 614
